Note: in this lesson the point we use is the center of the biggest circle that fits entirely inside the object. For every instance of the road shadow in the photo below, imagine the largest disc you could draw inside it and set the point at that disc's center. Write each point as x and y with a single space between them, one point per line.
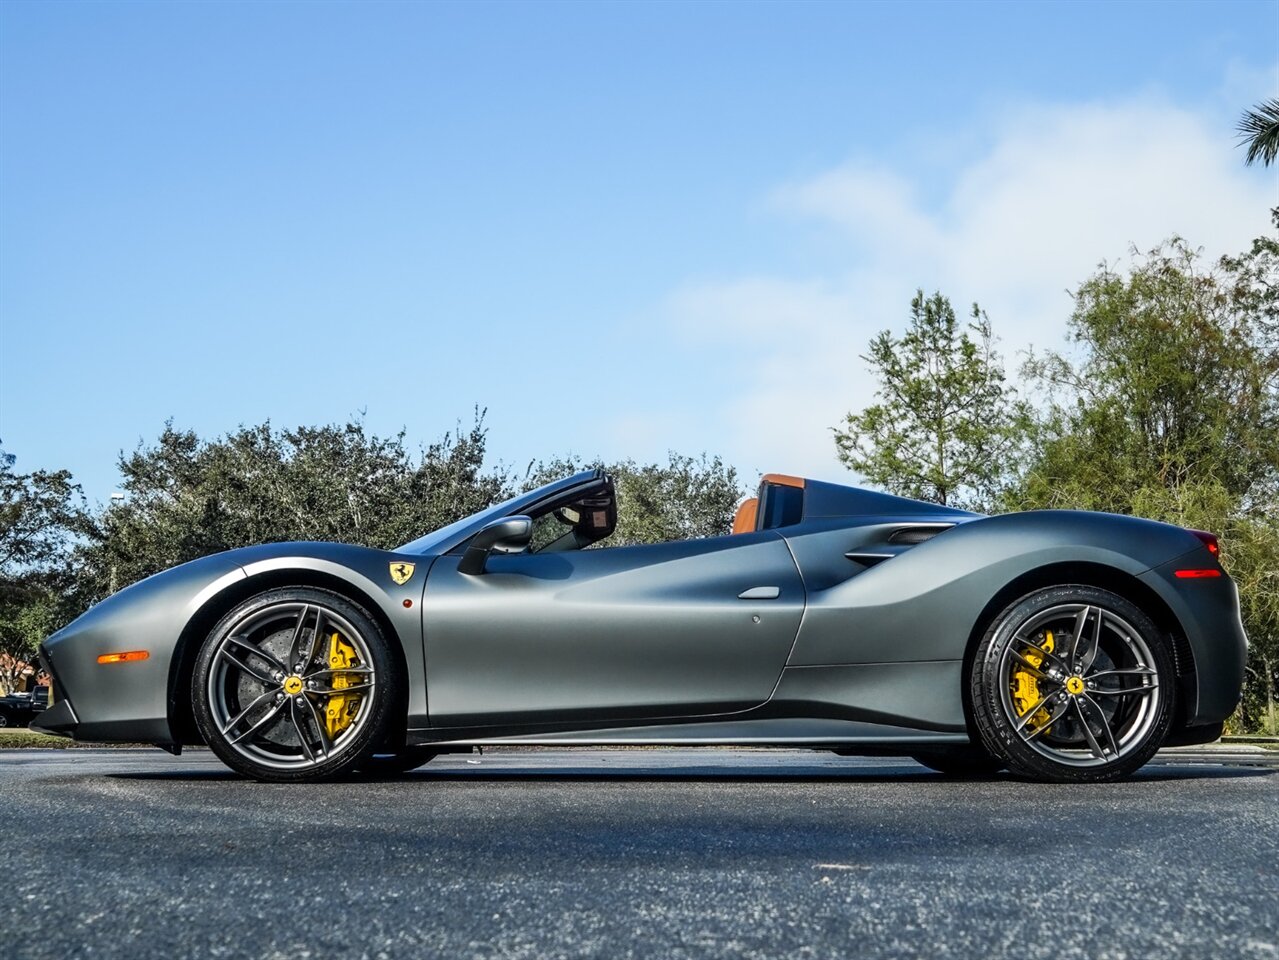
905 773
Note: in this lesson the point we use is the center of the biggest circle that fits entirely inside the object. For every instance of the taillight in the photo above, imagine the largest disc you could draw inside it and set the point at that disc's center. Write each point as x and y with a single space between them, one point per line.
1209 540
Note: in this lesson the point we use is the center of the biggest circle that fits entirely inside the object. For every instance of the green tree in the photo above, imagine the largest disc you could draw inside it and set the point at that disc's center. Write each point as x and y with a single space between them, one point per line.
947 428
40 513
186 497
1259 132
1250 551
1252 281
1252 555
682 499
1172 380
1168 407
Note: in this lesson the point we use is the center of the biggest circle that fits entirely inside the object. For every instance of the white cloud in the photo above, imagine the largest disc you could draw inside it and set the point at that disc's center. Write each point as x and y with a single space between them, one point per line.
1060 188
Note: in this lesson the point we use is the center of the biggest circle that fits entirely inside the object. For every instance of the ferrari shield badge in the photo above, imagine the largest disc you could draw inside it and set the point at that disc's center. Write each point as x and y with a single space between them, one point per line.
400 572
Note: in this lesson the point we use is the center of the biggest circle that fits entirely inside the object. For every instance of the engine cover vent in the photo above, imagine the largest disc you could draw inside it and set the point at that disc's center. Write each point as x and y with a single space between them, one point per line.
914 535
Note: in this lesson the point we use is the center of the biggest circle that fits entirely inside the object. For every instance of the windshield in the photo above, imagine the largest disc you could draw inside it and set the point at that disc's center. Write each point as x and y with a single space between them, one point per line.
442 539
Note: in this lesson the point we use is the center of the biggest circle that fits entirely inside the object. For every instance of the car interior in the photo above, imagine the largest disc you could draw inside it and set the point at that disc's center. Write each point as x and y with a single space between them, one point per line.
580 522
780 503
575 524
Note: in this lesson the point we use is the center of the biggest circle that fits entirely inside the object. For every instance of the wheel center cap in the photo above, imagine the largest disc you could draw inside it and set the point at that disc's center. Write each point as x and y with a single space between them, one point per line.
1075 685
292 685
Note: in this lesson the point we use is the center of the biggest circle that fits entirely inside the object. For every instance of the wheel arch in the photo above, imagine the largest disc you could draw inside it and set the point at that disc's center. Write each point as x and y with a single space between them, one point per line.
181 713
1094 575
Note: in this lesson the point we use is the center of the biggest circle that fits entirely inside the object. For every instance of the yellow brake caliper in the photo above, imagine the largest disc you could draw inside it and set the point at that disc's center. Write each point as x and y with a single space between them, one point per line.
342 708
1026 688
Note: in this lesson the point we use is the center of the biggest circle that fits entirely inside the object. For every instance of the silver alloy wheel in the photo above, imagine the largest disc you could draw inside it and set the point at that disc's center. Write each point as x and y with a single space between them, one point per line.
1098 687
269 685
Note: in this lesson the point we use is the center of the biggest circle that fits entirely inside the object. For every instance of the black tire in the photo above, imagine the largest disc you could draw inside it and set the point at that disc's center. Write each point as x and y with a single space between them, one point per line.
1073 684
283 738
384 763
4 720
960 762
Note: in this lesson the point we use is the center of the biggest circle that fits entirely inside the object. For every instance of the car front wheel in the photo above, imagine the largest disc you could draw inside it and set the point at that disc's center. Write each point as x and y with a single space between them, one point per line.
295 685
1073 684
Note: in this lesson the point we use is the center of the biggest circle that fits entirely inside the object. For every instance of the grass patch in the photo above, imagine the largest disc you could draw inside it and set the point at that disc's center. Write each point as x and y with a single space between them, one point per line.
16 737
20 738
1263 744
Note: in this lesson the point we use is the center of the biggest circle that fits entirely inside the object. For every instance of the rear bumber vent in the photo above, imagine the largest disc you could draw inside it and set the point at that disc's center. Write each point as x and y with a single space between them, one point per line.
913 535
1183 657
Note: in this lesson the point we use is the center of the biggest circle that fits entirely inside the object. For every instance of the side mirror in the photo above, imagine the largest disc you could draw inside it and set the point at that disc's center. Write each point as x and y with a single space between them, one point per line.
508 535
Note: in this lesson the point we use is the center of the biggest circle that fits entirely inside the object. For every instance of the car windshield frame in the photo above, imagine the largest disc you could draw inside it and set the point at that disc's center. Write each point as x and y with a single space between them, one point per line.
446 538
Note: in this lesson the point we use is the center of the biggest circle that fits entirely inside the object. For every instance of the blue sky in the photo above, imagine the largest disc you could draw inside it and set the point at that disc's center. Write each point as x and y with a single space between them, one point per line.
622 228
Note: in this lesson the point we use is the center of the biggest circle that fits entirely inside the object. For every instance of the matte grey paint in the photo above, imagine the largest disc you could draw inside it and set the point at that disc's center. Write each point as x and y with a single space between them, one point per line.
923 605
367 571
1208 611
792 731
675 642
831 500
625 633
130 701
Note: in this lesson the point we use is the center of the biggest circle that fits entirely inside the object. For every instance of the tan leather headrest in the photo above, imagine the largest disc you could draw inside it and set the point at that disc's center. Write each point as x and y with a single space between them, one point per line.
744 521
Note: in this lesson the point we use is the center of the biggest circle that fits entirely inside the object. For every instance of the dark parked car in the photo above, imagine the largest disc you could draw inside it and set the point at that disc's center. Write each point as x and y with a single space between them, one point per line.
19 709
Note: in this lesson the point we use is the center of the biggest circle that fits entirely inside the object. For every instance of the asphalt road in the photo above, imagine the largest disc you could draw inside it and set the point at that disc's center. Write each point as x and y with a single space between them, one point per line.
613 854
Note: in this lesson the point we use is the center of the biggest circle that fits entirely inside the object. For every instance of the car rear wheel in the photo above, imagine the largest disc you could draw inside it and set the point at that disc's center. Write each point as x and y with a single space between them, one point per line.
295 685
1073 684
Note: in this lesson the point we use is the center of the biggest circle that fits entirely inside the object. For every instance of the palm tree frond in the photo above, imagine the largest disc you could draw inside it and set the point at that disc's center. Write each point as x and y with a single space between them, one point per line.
1259 129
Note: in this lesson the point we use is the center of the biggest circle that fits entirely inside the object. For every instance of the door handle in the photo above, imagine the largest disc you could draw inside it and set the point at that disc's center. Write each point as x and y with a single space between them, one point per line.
760 593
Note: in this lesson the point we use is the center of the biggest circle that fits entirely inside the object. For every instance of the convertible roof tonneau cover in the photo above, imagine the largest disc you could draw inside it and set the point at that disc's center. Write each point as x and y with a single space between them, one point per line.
832 500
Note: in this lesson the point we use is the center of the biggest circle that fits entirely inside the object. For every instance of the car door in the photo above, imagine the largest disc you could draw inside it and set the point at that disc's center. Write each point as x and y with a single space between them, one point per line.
691 628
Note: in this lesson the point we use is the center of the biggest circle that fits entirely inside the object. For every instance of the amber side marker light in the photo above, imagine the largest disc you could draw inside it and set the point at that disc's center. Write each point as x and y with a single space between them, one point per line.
128 657
1195 574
